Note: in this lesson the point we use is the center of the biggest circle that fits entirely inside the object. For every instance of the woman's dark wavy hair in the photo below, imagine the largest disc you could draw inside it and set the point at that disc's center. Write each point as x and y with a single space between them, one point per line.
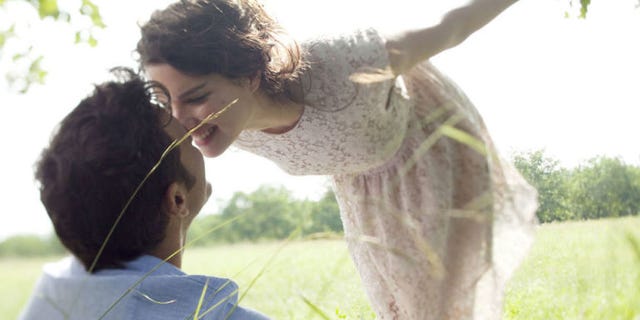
233 38
99 154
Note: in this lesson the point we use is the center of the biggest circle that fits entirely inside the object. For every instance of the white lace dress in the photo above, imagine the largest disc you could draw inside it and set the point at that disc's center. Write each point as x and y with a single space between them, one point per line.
435 221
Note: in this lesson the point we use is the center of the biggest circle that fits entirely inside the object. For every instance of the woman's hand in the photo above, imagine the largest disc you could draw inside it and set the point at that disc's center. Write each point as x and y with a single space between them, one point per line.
411 47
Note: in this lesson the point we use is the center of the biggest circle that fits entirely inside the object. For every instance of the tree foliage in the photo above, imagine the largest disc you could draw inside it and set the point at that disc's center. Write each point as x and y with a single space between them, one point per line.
601 187
605 187
268 213
583 8
546 175
324 216
30 246
27 58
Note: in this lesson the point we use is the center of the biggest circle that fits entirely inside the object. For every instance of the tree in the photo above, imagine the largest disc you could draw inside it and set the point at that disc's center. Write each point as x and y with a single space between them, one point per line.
31 246
325 215
268 213
605 187
583 8
18 17
545 174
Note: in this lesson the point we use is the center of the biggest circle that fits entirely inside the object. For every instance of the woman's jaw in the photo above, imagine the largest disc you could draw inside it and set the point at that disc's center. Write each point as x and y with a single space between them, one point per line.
212 140
204 135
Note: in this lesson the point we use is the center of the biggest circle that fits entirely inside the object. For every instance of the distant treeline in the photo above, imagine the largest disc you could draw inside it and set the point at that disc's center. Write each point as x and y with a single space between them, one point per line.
31 246
265 214
601 187
268 213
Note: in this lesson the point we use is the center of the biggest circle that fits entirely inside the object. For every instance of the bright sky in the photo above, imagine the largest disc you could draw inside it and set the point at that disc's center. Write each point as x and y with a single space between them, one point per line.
539 80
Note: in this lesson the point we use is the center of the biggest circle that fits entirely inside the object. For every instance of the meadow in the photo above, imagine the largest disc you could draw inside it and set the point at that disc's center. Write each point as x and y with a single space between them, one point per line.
575 270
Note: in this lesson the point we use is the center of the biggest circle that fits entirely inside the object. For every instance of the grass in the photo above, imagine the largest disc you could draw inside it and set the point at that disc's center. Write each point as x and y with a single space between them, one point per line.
17 278
579 270
319 271
576 270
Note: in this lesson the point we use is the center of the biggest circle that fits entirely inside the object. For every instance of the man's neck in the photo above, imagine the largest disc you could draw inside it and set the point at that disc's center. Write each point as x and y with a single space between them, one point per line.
171 246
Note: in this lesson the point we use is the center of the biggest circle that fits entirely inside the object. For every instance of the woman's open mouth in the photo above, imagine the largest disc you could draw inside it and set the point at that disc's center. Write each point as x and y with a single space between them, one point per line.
204 135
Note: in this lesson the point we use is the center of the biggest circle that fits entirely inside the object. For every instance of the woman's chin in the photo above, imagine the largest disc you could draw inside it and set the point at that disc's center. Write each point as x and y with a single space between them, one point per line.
210 151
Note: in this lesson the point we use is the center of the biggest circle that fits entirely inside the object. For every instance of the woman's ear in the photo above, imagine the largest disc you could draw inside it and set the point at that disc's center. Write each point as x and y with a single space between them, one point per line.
175 200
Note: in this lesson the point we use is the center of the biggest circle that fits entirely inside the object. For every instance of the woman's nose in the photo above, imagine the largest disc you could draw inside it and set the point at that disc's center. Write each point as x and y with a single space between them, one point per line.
189 122
177 112
183 117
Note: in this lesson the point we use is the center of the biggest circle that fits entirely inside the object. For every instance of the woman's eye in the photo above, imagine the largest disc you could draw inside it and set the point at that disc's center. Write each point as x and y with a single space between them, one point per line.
197 99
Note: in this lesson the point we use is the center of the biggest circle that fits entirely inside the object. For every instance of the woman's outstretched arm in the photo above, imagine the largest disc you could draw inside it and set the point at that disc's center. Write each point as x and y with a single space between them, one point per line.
411 47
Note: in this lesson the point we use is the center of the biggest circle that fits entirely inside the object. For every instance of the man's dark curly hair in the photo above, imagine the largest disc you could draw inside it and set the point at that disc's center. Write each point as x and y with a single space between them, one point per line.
98 156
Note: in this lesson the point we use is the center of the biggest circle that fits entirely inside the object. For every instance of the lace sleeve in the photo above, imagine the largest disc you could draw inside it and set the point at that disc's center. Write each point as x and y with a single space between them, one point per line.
346 127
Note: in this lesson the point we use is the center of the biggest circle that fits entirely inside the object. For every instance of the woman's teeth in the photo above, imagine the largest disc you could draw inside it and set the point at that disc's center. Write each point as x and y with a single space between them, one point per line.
205 134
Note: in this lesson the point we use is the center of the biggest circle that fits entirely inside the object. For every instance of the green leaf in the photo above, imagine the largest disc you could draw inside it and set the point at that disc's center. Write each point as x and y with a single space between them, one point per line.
48 8
584 7
18 56
91 10
92 41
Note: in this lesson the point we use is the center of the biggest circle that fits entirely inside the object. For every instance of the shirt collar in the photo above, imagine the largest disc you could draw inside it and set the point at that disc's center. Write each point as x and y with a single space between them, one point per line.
147 263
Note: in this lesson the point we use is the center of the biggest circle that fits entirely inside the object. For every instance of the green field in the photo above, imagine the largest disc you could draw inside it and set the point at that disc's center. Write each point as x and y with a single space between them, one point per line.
576 270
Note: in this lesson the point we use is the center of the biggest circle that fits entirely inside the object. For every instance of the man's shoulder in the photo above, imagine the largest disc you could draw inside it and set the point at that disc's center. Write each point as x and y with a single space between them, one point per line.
144 288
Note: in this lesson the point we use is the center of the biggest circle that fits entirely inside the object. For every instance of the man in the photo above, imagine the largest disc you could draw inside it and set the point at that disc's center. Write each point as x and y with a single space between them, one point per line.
99 156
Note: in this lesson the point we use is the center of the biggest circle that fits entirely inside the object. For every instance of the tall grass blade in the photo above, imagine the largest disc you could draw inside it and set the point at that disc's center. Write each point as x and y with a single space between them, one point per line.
368 75
425 146
50 301
226 298
170 148
193 315
314 307
204 291
635 245
264 268
463 137
269 261
336 268
131 288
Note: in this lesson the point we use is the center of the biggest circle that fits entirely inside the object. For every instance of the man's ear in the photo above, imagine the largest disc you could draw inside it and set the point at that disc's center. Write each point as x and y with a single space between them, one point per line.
175 200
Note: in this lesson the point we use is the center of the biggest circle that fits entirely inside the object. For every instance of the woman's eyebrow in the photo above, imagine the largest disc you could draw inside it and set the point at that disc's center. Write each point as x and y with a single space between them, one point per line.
183 95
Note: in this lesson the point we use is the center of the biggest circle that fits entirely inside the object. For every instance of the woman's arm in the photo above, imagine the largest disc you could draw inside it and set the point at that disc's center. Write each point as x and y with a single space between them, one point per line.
411 47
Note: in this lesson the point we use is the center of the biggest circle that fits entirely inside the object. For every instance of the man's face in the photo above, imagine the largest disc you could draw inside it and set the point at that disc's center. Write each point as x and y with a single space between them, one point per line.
193 161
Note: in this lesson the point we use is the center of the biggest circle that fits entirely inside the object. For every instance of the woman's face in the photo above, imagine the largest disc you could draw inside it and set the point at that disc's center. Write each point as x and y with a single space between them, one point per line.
193 98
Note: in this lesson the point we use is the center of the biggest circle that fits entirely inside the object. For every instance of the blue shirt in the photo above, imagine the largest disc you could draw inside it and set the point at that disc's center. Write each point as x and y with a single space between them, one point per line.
147 288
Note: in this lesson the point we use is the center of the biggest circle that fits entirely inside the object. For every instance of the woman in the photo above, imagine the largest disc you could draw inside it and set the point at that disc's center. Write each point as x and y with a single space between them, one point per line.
434 220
